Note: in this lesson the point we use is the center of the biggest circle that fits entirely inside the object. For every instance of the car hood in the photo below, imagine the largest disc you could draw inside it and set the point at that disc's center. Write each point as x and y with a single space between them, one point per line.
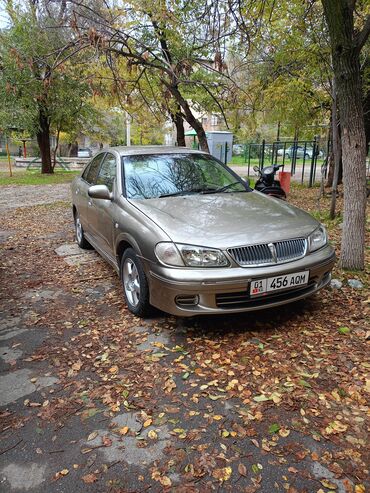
227 219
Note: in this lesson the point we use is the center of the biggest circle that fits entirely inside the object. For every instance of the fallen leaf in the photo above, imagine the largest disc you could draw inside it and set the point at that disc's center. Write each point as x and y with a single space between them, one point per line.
344 330
92 435
222 474
89 478
242 470
260 398
274 428
123 430
328 484
335 427
107 442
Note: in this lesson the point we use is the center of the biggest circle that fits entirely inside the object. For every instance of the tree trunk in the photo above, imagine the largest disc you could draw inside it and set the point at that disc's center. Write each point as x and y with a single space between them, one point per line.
180 132
43 140
337 151
190 118
336 148
56 149
345 53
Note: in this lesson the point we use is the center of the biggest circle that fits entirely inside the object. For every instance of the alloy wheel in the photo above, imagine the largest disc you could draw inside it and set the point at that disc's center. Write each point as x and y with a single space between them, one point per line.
131 282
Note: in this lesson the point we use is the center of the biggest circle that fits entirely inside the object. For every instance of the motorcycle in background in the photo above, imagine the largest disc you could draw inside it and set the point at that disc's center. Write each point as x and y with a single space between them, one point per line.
267 183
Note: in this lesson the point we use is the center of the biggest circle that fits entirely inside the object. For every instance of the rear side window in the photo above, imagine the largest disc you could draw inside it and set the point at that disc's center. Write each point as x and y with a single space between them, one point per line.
91 172
107 172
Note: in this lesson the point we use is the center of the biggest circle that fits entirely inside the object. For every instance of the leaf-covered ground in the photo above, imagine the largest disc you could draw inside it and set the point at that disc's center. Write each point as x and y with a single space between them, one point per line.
99 400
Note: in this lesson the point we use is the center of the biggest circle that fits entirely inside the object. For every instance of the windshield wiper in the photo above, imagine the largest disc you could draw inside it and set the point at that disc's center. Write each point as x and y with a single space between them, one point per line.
224 188
188 192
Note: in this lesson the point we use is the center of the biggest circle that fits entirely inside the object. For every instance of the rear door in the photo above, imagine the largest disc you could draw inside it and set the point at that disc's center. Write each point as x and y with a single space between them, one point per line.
82 200
101 211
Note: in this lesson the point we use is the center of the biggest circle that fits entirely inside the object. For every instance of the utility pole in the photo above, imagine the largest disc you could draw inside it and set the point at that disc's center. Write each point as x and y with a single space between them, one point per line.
128 129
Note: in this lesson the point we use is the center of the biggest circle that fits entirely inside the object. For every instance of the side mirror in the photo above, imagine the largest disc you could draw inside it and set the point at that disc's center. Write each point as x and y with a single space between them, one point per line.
100 192
256 169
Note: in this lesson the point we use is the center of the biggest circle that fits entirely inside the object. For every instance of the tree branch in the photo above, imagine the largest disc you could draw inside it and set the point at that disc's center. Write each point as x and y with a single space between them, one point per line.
363 35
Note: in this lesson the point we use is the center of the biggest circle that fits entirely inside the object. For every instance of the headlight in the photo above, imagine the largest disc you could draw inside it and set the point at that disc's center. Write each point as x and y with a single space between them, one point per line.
190 255
317 239
168 254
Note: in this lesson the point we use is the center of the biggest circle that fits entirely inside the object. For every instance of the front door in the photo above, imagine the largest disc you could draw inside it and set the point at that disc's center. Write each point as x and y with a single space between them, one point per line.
82 199
101 211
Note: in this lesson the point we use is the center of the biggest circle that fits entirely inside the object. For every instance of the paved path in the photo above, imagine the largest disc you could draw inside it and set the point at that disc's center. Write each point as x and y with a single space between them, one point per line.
93 399
12 197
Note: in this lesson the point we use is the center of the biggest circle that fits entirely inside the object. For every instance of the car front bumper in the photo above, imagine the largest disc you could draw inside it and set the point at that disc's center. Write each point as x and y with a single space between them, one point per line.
187 292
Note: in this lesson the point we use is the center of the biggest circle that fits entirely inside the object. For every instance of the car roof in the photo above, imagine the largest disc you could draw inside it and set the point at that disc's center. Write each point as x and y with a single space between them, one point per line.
160 149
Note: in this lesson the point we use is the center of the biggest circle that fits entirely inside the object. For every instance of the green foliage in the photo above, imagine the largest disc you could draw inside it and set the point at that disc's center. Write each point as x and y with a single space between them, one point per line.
38 74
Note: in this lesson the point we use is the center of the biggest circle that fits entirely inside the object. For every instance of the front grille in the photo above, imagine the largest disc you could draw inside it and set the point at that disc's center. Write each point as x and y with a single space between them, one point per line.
255 255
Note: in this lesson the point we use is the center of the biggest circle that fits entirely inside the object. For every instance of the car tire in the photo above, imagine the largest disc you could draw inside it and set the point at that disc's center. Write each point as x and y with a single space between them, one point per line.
135 284
80 236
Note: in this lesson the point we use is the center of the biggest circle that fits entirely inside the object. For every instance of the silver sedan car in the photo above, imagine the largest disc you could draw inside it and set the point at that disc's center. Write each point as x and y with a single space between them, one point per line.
188 236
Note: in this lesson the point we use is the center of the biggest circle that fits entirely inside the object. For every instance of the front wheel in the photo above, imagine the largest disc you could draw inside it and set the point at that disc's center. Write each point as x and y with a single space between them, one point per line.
80 236
135 284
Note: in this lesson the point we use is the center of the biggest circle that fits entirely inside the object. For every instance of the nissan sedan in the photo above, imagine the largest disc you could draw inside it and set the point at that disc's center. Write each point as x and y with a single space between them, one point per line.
188 236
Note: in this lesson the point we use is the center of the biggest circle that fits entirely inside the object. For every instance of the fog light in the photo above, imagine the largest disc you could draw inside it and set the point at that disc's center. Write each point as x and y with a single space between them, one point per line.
187 300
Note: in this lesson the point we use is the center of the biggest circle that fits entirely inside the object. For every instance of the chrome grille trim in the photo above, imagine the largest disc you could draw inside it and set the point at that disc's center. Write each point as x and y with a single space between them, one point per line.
258 255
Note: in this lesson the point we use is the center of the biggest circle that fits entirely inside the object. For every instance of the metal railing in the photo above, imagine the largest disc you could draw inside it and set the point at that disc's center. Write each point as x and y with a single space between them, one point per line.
300 157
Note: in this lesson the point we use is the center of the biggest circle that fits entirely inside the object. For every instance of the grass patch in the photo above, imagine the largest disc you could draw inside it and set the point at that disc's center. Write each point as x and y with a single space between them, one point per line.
34 177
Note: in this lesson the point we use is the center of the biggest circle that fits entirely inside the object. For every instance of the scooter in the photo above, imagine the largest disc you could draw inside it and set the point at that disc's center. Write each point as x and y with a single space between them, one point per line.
267 183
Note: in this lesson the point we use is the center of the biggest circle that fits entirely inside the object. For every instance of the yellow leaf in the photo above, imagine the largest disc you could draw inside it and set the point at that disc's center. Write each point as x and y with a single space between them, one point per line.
113 369
328 484
217 417
179 430
165 481
284 433
64 472
123 430
77 366
92 435
360 488
147 423
222 474
335 427
152 435
225 433
158 344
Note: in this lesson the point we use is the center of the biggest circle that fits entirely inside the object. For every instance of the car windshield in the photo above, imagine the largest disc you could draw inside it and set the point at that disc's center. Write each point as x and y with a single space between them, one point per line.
164 175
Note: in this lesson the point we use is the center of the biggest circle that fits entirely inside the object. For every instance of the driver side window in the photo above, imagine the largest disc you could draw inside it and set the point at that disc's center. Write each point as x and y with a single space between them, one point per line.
107 173
91 172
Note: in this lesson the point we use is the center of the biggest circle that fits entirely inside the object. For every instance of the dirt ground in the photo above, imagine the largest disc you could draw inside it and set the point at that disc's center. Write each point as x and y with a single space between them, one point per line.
95 399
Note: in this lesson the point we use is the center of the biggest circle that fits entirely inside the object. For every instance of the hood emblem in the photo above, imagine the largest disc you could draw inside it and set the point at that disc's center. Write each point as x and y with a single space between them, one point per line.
273 252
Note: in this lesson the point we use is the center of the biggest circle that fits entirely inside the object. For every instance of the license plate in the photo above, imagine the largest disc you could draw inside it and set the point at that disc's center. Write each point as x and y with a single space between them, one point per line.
287 281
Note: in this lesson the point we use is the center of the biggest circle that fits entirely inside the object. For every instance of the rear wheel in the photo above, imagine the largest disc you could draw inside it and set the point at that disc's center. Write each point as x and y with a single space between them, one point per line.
80 236
135 284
